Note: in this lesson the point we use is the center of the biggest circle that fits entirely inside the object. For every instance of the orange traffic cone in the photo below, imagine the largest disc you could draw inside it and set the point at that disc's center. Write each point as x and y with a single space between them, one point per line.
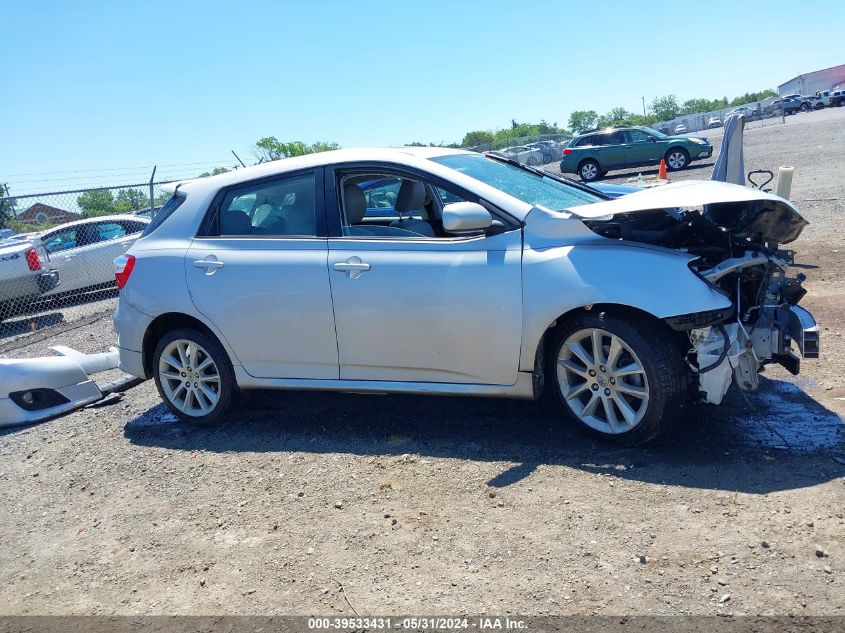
661 173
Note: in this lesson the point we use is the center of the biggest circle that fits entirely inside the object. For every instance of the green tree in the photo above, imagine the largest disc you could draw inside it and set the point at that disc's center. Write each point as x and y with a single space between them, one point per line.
321 146
617 116
751 97
214 172
7 209
694 106
97 202
665 108
128 200
582 120
271 148
477 137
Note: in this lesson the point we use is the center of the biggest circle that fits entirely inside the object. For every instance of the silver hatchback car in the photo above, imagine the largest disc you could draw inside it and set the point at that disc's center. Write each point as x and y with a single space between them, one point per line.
427 270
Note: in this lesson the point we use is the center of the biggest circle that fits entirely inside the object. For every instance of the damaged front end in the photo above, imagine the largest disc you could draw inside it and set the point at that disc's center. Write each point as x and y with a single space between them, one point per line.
736 234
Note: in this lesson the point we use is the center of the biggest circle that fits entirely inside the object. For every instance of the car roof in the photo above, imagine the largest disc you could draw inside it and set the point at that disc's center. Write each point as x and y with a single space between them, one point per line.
271 168
97 218
203 189
607 130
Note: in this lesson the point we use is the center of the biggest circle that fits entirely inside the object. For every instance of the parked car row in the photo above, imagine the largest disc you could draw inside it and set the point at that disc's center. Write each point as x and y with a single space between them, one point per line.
533 154
593 154
63 260
822 99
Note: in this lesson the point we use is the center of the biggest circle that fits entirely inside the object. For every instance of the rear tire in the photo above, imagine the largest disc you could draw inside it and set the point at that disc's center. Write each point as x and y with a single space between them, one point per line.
194 376
632 392
589 170
677 158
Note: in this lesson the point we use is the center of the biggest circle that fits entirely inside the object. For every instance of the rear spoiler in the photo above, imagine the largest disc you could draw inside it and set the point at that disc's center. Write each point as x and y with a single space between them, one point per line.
173 187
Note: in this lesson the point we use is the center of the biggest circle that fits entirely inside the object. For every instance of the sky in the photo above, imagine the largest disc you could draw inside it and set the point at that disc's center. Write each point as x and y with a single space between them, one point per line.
96 93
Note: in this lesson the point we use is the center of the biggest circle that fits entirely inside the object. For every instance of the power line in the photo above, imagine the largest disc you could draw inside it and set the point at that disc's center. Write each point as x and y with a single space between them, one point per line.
140 167
132 175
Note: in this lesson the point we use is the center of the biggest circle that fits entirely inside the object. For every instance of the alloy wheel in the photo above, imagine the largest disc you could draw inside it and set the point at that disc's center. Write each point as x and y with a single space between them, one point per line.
602 381
677 160
589 171
189 377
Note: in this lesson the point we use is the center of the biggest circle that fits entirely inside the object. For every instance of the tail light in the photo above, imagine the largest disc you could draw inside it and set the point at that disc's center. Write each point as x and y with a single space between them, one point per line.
33 260
123 266
567 151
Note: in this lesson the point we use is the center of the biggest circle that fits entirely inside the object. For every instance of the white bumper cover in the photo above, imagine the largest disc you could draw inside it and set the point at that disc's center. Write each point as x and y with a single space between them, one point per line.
34 389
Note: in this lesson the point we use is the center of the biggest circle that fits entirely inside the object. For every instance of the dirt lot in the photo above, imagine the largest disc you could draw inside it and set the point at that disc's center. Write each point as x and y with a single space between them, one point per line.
325 503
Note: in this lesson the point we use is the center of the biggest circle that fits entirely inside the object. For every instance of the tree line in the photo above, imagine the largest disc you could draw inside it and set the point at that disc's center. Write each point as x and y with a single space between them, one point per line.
663 108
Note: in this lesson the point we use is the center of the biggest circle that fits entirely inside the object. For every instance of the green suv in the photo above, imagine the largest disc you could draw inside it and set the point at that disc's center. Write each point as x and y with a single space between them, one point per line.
592 154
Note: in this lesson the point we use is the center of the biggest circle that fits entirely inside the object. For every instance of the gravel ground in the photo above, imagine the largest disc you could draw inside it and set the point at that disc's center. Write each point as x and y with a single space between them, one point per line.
333 503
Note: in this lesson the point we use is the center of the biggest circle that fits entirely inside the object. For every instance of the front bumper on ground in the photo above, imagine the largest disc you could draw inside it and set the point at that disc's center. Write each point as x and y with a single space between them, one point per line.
34 389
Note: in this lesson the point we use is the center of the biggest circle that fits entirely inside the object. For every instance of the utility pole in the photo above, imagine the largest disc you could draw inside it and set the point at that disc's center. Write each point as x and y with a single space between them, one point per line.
645 116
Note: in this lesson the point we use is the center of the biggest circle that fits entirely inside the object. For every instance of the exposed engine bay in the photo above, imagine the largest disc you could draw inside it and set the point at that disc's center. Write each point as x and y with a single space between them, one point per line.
737 245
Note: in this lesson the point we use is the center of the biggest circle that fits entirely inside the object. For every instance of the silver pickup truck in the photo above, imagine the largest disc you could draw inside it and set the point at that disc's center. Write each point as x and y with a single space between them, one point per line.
25 274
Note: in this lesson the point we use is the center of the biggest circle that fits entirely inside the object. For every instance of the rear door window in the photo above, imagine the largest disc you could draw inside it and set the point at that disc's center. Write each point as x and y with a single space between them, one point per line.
280 207
615 138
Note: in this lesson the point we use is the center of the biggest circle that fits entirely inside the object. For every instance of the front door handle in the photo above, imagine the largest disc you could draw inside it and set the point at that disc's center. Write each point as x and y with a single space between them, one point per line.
210 263
354 266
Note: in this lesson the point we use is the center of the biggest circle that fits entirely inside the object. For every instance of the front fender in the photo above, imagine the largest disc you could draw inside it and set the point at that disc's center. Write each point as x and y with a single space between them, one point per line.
559 279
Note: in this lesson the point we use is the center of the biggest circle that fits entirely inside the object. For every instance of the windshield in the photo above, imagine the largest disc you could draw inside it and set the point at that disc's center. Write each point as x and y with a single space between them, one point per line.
654 133
519 183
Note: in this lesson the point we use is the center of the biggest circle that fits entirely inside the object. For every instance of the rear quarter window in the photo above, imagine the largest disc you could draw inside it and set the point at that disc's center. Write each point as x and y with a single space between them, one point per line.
165 212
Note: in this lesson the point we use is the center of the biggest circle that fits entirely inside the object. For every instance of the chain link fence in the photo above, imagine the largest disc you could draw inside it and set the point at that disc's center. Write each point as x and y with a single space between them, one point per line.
57 251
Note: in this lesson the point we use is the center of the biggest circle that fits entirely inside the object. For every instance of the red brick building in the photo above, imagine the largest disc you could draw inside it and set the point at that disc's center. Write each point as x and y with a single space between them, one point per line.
43 213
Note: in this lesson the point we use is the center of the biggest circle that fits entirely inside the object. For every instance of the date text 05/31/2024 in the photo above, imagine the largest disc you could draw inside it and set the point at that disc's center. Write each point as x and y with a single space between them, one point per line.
439 623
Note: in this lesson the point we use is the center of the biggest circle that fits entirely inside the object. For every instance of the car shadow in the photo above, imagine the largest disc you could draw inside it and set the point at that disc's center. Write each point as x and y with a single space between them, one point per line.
733 447
654 171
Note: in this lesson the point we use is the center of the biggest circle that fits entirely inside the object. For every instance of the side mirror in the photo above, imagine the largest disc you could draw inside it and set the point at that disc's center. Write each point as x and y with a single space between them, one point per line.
652 139
463 217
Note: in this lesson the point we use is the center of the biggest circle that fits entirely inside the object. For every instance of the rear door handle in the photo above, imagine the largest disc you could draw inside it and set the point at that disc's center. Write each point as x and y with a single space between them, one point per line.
210 265
354 266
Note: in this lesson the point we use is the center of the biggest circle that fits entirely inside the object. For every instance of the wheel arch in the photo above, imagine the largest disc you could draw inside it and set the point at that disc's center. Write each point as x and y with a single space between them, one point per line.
166 322
559 282
674 147
591 159
621 310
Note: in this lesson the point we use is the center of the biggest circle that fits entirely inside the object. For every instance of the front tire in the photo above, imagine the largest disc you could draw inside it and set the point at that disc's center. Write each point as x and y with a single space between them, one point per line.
194 376
617 378
589 170
677 158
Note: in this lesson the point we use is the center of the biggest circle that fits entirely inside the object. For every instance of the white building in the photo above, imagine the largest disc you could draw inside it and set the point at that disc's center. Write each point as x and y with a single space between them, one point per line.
809 83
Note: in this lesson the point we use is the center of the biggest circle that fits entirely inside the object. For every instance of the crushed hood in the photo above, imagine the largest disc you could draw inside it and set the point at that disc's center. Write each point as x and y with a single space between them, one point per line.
744 212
